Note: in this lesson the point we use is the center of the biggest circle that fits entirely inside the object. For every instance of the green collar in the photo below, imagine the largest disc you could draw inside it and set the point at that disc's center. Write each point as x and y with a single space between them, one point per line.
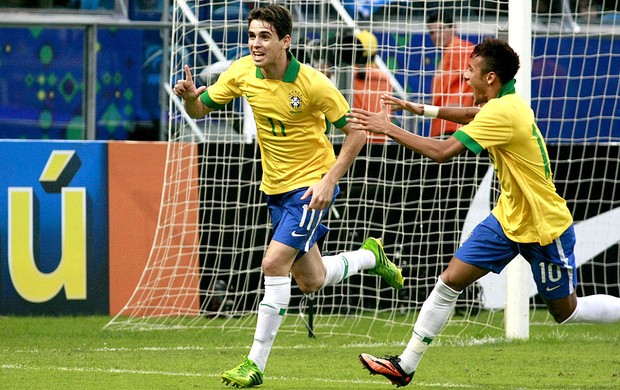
291 72
507 89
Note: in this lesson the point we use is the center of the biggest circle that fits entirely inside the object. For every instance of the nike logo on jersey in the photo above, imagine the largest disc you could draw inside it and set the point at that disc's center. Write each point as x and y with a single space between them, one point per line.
552 288
295 234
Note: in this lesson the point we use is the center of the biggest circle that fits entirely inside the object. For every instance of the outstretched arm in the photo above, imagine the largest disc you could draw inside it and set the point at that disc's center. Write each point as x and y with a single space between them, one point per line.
379 122
461 115
186 89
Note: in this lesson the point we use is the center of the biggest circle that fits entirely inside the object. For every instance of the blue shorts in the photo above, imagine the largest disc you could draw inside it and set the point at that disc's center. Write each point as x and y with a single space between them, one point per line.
293 223
553 265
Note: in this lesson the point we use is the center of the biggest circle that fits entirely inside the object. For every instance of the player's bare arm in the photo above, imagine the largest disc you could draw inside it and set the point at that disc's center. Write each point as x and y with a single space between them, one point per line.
379 122
323 191
186 89
461 115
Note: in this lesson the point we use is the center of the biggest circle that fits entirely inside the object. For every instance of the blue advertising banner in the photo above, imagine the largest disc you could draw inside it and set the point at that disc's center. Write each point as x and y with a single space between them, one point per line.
54 228
44 70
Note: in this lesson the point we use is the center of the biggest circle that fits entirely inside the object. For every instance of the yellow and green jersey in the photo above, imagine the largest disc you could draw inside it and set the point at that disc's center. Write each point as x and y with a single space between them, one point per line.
529 207
290 120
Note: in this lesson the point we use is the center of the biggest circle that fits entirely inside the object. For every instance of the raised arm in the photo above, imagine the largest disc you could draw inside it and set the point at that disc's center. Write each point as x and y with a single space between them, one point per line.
186 90
461 115
379 122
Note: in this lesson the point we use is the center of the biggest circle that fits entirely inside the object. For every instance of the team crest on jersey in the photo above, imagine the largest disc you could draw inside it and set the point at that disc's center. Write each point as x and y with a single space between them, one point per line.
295 100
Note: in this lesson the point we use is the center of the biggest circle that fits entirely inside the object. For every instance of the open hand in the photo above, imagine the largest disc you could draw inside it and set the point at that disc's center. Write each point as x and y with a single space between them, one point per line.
400 104
375 122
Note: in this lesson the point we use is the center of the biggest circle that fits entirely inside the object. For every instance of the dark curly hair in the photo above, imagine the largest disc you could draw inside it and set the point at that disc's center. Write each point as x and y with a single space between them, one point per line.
277 16
498 57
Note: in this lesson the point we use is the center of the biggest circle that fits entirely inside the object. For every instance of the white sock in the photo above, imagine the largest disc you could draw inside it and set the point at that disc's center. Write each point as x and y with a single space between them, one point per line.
343 265
598 308
433 316
270 313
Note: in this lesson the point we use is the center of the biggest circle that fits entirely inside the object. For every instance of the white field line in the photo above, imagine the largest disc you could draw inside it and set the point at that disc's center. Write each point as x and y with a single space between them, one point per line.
22 367
448 342
100 370
394 347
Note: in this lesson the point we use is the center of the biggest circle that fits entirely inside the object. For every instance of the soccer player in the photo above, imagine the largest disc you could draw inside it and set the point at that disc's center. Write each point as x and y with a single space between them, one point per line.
530 218
290 102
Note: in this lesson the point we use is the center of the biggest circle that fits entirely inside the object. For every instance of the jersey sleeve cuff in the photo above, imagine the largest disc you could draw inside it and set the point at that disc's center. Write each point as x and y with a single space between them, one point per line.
340 123
206 99
469 142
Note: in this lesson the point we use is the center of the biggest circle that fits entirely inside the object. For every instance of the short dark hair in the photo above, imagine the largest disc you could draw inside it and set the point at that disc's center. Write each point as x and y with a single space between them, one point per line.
442 16
498 57
277 16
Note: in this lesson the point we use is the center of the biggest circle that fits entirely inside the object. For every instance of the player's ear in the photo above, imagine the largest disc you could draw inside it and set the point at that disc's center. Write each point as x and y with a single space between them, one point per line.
287 42
490 77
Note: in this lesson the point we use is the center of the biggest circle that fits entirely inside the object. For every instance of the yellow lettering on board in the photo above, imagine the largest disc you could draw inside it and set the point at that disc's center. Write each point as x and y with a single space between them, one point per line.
29 282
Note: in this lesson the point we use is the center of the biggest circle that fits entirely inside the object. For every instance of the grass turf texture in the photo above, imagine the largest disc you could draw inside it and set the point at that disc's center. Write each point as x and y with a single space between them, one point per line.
75 352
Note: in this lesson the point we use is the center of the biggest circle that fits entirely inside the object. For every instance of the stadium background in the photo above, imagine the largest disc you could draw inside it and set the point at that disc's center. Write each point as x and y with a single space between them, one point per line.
41 93
42 78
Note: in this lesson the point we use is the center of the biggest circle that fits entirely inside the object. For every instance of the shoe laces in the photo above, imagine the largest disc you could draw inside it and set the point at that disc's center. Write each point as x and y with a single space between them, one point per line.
395 360
246 367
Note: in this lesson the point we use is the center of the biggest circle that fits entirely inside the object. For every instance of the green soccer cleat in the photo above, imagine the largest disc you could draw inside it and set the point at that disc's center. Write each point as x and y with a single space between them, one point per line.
244 375
384 268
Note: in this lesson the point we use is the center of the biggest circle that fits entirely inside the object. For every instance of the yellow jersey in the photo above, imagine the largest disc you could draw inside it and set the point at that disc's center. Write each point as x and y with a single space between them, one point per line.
529 207
290 120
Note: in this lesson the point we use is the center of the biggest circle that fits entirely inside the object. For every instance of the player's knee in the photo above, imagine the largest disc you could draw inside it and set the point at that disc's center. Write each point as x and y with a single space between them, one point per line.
561 309
309 286
308 283
561 315
271 267
559 318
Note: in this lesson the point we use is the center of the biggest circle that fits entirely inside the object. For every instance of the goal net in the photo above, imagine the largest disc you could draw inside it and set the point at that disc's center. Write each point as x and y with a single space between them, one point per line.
204 268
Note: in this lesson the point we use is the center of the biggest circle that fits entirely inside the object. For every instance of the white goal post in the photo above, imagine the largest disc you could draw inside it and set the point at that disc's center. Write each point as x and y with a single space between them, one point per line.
517 312
204 266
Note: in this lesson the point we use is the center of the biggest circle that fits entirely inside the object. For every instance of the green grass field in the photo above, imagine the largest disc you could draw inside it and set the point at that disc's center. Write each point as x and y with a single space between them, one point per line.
76 353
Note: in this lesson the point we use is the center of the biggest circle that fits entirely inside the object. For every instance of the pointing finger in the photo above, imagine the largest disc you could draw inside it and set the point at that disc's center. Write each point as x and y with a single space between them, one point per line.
188 74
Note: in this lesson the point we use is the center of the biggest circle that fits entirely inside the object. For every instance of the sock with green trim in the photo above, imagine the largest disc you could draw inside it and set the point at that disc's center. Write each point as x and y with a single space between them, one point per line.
433 316
343 265
271 310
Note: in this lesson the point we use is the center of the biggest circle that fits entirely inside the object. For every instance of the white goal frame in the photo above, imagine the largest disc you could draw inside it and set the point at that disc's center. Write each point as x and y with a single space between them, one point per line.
143 306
